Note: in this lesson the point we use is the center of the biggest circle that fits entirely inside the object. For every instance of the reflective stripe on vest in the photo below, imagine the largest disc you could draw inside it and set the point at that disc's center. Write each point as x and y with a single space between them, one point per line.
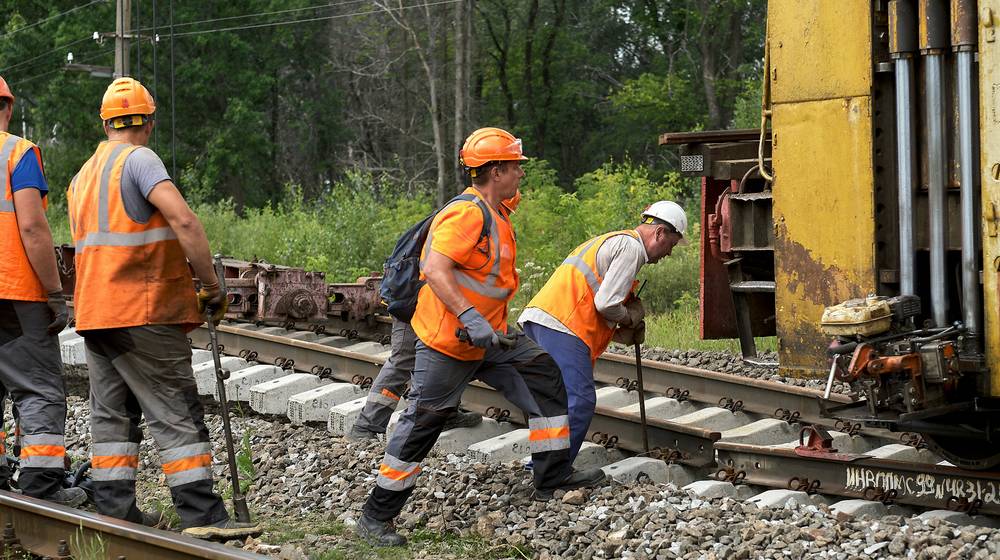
5 151
103 237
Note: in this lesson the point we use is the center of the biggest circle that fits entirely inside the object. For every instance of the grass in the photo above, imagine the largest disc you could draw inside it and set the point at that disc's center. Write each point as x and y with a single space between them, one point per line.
86 547
679 329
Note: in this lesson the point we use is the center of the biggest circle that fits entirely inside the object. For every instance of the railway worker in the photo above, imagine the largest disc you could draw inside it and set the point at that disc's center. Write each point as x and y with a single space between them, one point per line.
135 300
469 284
575 314
32 312
391 381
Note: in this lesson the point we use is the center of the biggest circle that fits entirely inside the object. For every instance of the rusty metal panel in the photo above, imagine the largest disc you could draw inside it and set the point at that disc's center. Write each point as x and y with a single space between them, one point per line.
820 49
824 220
989 111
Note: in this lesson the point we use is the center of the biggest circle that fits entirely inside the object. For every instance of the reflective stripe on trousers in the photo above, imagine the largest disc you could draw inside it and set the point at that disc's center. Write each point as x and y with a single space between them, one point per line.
188 463
384 398
43 451
548 433
114 461
397 475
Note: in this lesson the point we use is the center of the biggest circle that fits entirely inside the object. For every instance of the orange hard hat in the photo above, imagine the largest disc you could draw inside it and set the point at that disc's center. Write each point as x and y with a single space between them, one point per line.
5 91
490 144
126 96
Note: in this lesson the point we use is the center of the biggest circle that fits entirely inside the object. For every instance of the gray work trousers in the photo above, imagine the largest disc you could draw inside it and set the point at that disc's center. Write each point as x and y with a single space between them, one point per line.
527 377
389 385
31 372
138 371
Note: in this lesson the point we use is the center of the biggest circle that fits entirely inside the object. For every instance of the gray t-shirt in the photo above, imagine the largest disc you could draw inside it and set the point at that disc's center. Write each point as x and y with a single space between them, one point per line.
143 170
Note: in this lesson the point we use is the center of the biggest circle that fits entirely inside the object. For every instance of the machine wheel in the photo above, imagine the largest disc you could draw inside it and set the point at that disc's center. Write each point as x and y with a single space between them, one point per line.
972 454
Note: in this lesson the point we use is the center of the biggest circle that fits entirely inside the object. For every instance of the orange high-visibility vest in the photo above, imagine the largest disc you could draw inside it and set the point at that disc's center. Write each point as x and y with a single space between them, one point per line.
127 274
568 296
18 280
486 275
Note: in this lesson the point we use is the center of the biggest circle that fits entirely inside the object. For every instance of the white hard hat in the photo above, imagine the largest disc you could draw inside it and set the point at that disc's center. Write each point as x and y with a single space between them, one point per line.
669 212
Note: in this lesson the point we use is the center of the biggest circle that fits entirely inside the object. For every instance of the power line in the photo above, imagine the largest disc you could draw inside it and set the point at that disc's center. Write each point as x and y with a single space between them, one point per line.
308 20
50 18
46 53
260 14
85 57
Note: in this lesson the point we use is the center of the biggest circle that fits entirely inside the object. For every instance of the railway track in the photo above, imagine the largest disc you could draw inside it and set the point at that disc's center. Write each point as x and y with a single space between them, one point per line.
713 433
43 529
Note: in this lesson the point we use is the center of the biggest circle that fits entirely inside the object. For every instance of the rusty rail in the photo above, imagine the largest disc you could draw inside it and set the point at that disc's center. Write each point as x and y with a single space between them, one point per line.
864 477
684 444
47 530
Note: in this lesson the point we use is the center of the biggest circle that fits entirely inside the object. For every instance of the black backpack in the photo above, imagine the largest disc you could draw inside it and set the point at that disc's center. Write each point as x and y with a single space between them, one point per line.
401 281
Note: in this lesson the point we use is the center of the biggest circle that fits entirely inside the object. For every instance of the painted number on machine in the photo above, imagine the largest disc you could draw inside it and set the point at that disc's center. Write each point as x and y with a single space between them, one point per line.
923 485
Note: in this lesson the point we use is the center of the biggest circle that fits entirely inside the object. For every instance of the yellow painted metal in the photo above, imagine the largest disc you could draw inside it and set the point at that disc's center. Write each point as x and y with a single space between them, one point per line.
989 111
824 215
820 49
824 219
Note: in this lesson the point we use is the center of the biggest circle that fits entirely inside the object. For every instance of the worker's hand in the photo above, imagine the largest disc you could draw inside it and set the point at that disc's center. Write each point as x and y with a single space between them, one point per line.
60 313
481 333
630 336
213 300
636 313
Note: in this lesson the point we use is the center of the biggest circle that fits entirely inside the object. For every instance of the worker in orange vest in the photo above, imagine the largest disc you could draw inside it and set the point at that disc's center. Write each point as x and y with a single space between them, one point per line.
32 312
461 324
134 303
589 300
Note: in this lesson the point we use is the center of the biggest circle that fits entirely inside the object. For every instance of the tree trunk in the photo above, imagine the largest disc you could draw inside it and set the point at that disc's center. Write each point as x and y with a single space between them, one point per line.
461 83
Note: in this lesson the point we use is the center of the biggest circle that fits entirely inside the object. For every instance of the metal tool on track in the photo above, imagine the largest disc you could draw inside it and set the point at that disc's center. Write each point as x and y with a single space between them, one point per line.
239 500
642 388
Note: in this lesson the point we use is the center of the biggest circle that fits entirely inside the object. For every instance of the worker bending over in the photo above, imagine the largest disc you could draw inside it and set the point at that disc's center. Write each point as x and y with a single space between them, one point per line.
575 314
32 312
470 280
135 302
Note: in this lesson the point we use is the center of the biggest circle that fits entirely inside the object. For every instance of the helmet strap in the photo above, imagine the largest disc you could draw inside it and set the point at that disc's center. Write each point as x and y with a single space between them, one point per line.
127 121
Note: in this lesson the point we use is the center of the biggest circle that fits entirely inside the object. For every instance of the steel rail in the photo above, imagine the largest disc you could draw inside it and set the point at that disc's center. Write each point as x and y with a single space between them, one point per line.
862 476
39 526
693 446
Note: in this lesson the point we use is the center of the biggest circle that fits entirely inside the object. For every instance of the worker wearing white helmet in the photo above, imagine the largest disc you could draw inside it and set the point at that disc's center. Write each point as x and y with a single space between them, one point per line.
590 300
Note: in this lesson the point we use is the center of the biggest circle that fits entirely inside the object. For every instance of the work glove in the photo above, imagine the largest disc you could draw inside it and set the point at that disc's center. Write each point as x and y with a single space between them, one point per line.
481 333
60 313
212 299
636 313
630 336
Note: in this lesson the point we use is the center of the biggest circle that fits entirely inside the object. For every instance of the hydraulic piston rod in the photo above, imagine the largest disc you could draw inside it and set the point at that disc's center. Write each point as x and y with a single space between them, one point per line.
963 39
902 46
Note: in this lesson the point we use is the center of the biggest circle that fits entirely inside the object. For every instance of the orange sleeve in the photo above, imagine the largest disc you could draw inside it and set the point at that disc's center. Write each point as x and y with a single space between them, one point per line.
455 231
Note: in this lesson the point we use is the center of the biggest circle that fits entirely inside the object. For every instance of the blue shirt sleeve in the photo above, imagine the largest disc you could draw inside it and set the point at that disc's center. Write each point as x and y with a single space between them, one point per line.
28 174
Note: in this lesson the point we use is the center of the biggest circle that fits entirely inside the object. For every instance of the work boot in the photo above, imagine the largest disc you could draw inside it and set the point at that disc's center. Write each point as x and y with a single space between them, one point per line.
462 419
69 497
588 478
379 533
224 530
357 433
155 519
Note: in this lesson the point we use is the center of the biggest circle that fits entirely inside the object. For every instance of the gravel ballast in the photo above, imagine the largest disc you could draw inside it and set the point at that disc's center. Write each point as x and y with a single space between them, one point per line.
303 474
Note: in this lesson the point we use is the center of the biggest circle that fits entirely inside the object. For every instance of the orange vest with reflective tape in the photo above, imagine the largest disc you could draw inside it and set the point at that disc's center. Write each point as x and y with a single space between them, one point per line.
127 274
487 278
568 296
18 280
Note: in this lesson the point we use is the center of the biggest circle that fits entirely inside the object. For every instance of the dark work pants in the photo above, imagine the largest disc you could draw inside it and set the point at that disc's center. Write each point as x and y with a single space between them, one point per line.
391 381
147 371
31 372
526 375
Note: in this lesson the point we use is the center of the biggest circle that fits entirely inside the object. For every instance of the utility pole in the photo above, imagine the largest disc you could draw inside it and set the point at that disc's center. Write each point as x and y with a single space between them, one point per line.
123 32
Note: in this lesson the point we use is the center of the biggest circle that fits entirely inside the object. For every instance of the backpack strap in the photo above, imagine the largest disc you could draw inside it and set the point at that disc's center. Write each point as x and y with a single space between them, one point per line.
487 215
